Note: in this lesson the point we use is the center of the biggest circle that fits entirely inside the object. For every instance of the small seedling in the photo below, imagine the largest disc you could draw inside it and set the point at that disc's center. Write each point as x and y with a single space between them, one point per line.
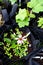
40 22
23 17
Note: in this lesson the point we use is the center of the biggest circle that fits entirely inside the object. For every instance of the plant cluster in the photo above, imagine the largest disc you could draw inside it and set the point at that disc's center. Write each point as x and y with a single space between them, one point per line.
16 42
24 16
36 7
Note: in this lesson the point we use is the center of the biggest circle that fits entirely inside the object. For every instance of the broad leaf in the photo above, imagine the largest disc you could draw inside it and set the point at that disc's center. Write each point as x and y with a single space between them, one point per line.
22 18
7 40
36 5
13 45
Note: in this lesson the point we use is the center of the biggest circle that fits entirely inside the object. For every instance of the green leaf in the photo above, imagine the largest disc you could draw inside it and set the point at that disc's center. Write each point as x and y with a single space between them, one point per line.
7 40
32 15
38 8
12 36
32 3
40 22
22 14
13 44
36 5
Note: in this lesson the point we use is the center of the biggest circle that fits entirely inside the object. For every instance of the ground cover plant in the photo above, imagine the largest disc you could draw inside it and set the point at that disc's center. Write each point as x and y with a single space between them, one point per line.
18 43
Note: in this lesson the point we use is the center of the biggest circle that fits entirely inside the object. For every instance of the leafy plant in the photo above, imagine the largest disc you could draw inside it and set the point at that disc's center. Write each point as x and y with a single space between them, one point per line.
16 42
23 17
40 22
7 49
36 5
